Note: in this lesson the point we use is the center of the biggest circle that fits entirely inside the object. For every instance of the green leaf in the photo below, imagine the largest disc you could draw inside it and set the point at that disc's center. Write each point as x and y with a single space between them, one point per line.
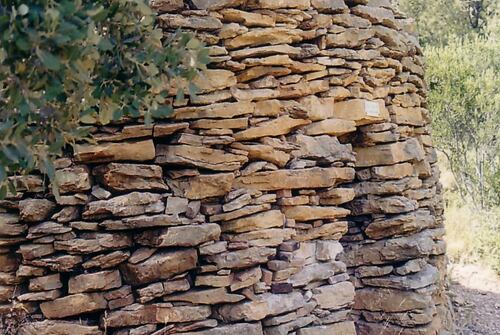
50 61
3 192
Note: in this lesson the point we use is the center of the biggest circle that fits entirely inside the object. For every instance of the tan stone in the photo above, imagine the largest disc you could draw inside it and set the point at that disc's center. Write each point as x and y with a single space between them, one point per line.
206 297
265 51
216 4
51 327
108 152
398 249
262 36
162 130
203 186
332 127
32 210
361 111
396 171
330 230
242 258
134 203
238 328
295 179
202 157
72 305
336 196
390 300
162 265
269 219
214 80
407 116
98 281
9 225
228 124
350 38
316 272
309 213
182 236
126 133
277 4
135 315
344 328
142 221
193 22
330 6
334 296
45 283
264 152
126 177
388 154
401 224
264 305
73 179
220 110
280 126
248 19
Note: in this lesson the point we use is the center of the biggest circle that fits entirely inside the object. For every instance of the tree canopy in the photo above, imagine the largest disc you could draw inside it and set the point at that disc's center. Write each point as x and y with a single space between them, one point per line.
65 64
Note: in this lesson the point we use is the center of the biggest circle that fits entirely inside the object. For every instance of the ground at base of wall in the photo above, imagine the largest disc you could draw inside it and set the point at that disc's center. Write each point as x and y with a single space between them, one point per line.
475 292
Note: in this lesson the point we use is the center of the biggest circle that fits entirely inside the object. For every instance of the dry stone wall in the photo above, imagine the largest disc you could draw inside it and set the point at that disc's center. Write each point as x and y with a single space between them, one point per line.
310 128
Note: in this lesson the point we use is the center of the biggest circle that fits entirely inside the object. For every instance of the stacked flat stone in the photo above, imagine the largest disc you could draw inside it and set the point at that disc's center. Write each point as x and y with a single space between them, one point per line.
310 127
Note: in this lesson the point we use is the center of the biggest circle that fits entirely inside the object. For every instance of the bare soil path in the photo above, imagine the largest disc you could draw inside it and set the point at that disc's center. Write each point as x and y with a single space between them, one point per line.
475 293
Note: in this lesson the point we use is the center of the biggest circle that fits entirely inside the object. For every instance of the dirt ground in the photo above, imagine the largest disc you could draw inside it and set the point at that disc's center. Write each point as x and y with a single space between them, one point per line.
475 293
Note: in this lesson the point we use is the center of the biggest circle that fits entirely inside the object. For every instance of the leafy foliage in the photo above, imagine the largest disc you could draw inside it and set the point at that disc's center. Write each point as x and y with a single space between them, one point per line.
67 63
465 101
440 20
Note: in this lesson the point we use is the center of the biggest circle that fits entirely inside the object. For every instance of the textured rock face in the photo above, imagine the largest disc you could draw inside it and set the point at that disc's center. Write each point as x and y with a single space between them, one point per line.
297 194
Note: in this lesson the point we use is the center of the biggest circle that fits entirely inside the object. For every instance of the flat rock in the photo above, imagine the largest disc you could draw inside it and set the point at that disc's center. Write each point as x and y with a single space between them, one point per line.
242 258
269 219
216 4
108 152
263 36
334 296
401 224
98 281
127 177
33 210
316 272
202 157
162 265
263 306
427 276
390 300
361 111
50 327
72 305
142 221
131 204
202 186
309 213
73 179
332 127
238 328
388 154
182 236
206 297
295 179
135 315
279 126
344 328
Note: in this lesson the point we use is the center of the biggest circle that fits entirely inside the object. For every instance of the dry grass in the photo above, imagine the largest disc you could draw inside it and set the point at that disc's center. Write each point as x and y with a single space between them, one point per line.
473 235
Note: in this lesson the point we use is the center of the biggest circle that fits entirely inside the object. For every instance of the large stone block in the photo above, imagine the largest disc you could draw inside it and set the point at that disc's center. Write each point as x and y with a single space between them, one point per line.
162 265
109 152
